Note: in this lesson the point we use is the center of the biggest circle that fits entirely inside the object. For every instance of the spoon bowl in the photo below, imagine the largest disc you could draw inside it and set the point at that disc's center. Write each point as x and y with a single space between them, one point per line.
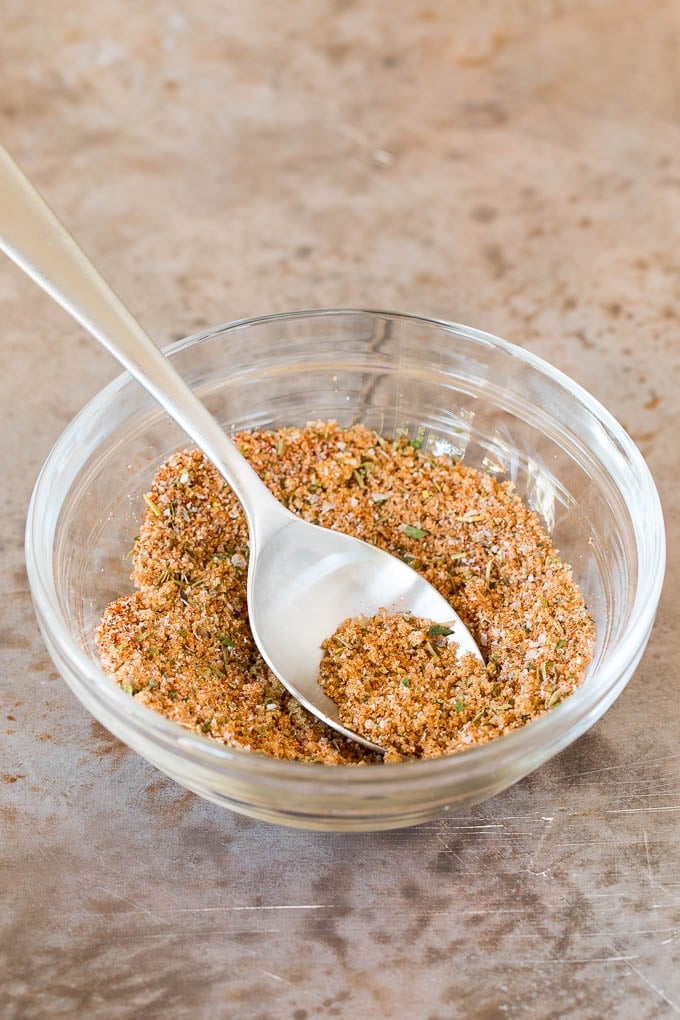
303 580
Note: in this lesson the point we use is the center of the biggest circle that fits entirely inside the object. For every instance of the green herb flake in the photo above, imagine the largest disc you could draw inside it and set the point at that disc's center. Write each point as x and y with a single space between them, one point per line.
458 706
406 681
415 443
439 630
127 687
413 532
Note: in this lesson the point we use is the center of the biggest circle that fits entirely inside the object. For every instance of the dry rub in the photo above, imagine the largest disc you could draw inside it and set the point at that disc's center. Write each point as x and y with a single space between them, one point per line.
180 643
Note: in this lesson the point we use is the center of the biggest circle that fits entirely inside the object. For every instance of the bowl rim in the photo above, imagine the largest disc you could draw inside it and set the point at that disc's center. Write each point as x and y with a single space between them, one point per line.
551 731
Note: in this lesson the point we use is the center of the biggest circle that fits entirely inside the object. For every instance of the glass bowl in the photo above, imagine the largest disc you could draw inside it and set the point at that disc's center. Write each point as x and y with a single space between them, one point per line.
491 403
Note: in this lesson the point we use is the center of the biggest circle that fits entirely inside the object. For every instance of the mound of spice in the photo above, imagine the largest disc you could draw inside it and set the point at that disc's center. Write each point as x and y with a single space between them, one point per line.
398 681
180 643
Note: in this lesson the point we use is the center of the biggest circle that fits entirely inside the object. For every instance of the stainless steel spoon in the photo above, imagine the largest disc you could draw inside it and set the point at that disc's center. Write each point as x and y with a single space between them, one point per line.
303 580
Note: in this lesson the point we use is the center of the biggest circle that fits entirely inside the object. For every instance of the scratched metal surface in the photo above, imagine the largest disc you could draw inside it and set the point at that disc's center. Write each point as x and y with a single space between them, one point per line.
510 166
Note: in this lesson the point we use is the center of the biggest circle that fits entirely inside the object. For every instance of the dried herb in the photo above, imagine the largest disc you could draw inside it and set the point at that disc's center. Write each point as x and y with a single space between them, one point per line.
151 505
439 630
413 532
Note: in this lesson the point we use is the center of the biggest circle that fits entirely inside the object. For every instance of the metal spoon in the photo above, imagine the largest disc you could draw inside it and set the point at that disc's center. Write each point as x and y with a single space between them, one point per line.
303 580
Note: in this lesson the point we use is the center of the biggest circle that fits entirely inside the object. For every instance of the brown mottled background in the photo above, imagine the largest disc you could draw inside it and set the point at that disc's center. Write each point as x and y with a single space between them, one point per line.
512 165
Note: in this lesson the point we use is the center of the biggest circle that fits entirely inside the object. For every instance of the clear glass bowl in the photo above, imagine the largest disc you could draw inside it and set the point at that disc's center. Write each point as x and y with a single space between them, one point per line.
493 404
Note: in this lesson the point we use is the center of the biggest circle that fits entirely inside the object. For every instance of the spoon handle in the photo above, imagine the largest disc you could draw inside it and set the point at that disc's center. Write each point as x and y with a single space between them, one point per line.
33 237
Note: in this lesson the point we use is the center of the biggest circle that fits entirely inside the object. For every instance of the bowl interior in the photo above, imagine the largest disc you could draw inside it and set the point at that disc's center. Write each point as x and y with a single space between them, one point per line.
476 405
453 389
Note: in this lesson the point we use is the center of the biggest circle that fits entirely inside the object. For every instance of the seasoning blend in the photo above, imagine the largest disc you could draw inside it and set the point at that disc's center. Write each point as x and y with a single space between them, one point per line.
181 644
